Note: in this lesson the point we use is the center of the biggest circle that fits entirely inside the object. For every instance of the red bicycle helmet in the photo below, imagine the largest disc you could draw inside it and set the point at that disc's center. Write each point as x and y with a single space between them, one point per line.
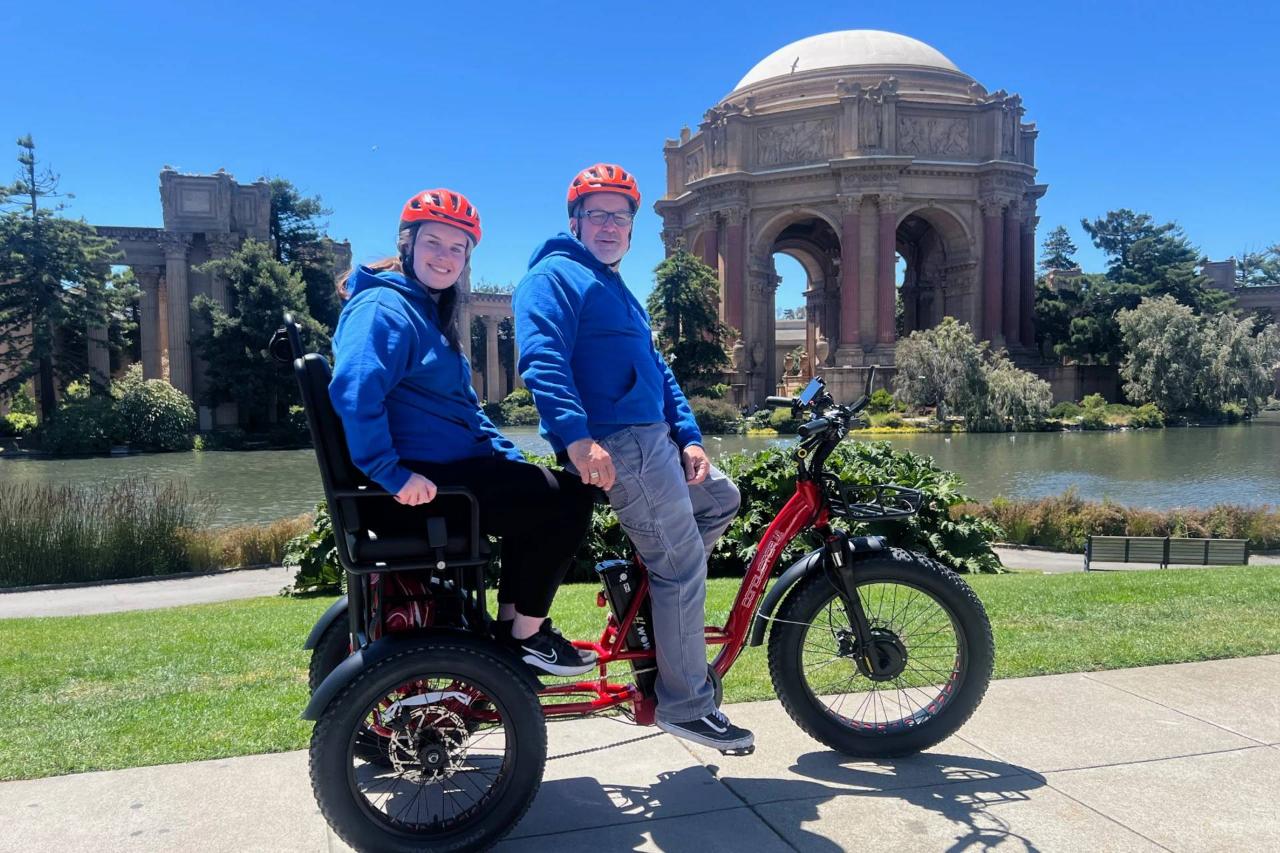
446 207
603 177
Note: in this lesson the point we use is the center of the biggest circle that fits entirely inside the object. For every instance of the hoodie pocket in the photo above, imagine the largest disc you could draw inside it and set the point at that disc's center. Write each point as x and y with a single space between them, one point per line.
642 401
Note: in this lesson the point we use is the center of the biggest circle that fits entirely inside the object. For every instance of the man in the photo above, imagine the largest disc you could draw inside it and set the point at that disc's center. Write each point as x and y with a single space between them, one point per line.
609 403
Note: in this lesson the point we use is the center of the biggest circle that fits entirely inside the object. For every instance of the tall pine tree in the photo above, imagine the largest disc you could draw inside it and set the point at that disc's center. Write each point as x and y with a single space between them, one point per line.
1058 251
683 308
53 277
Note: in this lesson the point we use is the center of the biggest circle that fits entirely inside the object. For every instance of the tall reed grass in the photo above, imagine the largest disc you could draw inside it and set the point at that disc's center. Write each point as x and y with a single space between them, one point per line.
74 533
131 529
1064 521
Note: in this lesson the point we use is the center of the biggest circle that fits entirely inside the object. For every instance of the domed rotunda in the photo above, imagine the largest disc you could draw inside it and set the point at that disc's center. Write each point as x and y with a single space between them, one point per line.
845 151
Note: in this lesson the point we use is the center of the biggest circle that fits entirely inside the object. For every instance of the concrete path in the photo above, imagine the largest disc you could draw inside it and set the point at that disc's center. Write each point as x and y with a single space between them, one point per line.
145 595
1182 757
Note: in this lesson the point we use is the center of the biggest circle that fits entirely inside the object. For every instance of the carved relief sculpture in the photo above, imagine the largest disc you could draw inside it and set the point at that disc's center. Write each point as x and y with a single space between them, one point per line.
803 142
921 135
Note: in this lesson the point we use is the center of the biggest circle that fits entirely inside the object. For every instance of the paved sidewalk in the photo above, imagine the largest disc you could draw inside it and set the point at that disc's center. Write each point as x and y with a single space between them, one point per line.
1181 757
145 595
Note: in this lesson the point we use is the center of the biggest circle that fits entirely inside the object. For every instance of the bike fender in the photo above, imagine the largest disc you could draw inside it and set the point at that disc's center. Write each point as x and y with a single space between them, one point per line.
392 644
336 610
811 562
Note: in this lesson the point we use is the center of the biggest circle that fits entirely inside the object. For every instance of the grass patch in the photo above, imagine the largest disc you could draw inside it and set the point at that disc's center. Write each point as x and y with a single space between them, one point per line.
210 681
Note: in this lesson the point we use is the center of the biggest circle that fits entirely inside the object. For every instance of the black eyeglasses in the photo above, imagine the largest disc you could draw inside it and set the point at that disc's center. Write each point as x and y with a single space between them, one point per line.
600 217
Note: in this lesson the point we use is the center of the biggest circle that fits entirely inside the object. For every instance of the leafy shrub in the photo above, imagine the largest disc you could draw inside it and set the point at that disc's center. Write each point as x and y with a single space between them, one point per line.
1094 418
715 392
493 411
82 424
888 419
518 409
16 424
22 402
315 553
783 421
1118 409
1233 412
715 417
766 480
1065 411
152 414
1147 416
882 401
223 438
1094 401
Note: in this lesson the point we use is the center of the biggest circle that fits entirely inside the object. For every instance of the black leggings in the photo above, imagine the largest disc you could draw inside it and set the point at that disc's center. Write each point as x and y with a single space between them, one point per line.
541 515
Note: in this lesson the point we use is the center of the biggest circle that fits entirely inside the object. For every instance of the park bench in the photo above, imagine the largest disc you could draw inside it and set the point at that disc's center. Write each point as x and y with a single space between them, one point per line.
1166 550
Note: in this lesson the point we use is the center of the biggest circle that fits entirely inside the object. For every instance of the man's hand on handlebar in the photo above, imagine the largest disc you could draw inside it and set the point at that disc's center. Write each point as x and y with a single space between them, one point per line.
419 490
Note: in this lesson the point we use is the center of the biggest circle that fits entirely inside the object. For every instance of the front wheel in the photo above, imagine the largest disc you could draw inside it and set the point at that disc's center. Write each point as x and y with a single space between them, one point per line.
462 740
932 645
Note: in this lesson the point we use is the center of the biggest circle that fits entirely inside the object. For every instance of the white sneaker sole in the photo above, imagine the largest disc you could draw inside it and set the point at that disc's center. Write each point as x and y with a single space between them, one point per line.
702 740
556 669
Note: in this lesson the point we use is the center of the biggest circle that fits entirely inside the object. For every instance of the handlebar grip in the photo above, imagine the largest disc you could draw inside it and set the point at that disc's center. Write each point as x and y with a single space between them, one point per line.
815 425
779 402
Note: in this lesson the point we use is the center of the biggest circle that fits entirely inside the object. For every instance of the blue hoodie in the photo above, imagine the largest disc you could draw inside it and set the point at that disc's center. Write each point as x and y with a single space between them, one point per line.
402 392
586 351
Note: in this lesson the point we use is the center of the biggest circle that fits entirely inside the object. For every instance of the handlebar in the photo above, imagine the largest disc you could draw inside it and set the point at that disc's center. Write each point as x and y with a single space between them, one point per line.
780 402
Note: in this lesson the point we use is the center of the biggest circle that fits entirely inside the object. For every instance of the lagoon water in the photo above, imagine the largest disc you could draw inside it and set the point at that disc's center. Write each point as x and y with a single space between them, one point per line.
1155 468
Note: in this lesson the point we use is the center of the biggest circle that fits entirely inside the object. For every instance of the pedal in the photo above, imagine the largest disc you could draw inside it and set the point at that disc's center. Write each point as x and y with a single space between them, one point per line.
746 750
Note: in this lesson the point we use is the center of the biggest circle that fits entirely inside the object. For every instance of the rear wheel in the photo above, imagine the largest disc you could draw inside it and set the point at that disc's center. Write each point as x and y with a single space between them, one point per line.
931 644
464 743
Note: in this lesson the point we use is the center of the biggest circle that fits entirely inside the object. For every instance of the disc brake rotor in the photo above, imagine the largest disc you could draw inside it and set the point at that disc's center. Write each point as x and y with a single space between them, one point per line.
427 743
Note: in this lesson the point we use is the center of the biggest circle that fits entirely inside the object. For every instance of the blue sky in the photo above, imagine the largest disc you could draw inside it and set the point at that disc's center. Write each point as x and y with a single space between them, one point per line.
1162 107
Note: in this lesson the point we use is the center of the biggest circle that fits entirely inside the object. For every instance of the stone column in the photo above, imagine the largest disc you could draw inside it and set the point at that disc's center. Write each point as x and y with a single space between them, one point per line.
1028 256
992 261
176 246
149 322
735 273
885 249
221 247
491 388
850 285
711 245
1012 277
97 350
868 272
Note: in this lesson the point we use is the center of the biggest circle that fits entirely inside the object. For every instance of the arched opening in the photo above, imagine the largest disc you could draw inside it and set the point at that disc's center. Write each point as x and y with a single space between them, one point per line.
802 252
930 245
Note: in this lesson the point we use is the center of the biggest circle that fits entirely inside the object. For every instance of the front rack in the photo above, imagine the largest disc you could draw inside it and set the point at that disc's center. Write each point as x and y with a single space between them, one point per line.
872 502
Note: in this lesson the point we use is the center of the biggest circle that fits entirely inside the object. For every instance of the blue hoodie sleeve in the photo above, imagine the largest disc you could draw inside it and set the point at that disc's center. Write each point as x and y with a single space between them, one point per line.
546 319
684 426
501 444
371 354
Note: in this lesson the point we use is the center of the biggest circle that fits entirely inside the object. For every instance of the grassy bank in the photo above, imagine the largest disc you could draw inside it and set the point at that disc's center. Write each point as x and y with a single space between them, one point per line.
154 687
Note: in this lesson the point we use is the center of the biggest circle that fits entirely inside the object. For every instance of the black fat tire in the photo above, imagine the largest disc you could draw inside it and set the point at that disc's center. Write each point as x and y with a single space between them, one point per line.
516 703
812 593
331 650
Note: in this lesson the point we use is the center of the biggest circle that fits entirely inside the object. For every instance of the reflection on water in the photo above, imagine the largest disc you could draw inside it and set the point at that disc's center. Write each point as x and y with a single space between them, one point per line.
1157 468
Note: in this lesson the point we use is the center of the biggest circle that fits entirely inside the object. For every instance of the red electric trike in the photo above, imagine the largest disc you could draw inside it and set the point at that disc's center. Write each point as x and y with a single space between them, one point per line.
429 735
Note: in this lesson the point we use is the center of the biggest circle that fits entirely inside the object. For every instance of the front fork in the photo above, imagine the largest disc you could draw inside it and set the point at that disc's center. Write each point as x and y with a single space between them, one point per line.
865 648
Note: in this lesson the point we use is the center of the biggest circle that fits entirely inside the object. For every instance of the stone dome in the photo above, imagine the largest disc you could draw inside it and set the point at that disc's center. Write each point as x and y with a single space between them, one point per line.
847 49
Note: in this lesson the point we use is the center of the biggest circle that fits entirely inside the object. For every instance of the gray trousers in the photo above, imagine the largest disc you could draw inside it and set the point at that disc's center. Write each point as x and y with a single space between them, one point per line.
673 527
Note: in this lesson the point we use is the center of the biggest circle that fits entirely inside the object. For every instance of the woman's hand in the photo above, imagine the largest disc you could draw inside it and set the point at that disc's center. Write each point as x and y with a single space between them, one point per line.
419 490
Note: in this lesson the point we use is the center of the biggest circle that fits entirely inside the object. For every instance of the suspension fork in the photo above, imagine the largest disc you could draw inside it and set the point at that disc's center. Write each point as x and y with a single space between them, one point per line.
840 571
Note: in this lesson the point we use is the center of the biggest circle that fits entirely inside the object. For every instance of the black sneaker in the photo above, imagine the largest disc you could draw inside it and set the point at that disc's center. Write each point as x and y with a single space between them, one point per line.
548 651
713 730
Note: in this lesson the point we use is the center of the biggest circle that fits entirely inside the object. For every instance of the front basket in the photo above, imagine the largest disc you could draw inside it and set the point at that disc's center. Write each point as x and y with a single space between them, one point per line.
873 502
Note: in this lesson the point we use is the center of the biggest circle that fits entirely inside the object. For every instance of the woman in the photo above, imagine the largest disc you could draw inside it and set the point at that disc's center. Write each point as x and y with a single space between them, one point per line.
403 390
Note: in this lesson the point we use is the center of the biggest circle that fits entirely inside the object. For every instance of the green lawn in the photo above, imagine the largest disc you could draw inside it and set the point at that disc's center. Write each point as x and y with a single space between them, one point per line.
154 687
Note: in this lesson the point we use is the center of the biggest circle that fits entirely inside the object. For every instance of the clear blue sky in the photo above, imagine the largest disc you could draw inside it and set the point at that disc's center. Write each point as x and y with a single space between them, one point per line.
1162 107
